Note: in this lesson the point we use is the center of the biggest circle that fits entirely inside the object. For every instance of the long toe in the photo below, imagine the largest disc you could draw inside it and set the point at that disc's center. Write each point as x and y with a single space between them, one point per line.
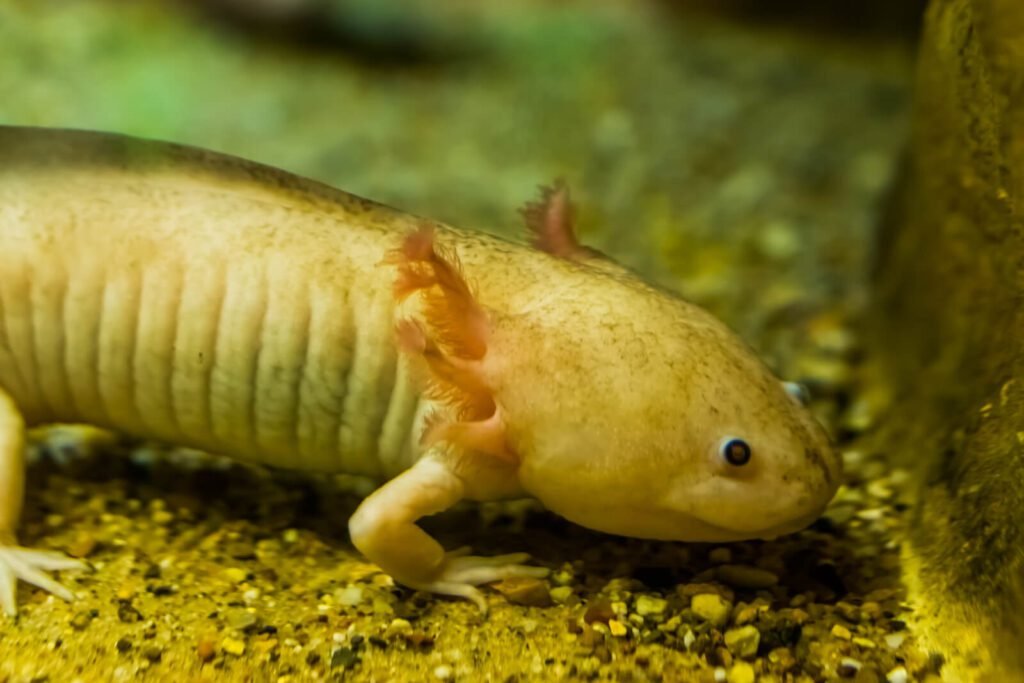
31 566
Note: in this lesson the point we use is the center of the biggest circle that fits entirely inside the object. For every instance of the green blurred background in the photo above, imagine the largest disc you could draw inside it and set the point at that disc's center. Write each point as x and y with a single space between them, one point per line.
732 152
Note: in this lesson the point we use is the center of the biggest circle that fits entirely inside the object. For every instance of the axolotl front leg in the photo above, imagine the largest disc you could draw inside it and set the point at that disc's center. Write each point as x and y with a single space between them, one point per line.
384 529
466 452
17 562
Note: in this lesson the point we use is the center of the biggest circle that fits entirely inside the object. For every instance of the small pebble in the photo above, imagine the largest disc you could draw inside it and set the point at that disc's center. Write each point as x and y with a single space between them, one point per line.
741 672
343 658
398 627
206 649
745 576
599 611
687 591
848 667
720 556
563 577
235 575
123 645
561 594
894 640
125 591
526 591
742 642
82 619
233 646
241 619
864 643
840 631
153 654
897 675
443 673
424 641
647 606
262 647
747 614
162 517
241 550
127 614
349 596
83 545
616 628
711 607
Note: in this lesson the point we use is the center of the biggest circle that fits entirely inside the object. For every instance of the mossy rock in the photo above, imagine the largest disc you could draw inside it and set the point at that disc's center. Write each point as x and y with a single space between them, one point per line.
947 325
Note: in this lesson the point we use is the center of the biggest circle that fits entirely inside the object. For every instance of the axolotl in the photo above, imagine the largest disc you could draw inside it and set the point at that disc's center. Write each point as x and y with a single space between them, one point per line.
198 299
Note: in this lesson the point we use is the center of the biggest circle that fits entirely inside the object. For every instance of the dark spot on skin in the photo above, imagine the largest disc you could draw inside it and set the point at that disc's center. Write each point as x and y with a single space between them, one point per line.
814 456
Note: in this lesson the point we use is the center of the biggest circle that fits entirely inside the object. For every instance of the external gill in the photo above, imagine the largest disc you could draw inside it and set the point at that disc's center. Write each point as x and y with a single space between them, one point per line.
452 341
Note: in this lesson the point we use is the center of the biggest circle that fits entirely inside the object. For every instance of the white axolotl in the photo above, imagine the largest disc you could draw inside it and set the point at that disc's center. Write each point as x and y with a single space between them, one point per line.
198 299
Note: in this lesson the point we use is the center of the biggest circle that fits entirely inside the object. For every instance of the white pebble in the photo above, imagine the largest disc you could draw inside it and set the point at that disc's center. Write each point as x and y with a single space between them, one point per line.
349 596
720 675
442 673
894 640
897 675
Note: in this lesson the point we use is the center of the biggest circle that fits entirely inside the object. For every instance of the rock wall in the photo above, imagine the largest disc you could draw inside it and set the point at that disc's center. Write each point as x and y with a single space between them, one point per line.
947 333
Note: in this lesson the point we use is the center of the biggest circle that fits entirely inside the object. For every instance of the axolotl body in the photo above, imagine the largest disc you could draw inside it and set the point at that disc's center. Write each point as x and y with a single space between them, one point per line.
191 297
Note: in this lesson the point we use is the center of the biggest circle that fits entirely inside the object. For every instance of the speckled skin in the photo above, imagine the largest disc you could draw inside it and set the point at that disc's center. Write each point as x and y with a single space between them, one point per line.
198 299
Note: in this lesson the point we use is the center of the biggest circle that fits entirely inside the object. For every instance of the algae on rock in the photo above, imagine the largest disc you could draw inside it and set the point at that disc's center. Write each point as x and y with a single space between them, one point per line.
946 330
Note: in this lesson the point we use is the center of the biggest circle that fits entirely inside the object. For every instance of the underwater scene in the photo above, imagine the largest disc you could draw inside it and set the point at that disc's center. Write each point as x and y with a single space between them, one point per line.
522 340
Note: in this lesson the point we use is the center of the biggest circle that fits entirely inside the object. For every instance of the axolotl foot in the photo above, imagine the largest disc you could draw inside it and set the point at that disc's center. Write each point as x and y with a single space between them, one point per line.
461 573
30 566
383 528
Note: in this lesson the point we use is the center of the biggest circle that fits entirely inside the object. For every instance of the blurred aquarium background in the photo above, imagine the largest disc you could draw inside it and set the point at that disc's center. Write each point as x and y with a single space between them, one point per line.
736 150
740 152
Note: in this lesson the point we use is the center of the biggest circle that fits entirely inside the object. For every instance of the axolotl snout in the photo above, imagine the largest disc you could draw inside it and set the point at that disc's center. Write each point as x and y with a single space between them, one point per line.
191 297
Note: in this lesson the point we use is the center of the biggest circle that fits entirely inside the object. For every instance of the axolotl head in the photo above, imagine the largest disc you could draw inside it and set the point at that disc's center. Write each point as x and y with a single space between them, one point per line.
621 407
659 422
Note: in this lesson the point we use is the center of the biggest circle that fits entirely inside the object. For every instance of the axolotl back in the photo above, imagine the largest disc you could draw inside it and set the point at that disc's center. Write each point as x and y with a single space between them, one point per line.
481 368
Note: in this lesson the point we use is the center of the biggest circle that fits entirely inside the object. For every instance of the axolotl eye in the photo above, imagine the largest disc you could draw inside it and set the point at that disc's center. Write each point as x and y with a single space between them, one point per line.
735 451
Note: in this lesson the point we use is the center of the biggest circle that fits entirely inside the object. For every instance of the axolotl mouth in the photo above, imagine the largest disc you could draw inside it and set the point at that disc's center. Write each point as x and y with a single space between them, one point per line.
675 525
718 533
703 531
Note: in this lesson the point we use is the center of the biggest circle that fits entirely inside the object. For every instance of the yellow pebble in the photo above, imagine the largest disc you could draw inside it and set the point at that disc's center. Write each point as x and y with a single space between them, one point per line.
233 646
864 643
265 646
235 575
162 517
741 672
840 631
617 628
